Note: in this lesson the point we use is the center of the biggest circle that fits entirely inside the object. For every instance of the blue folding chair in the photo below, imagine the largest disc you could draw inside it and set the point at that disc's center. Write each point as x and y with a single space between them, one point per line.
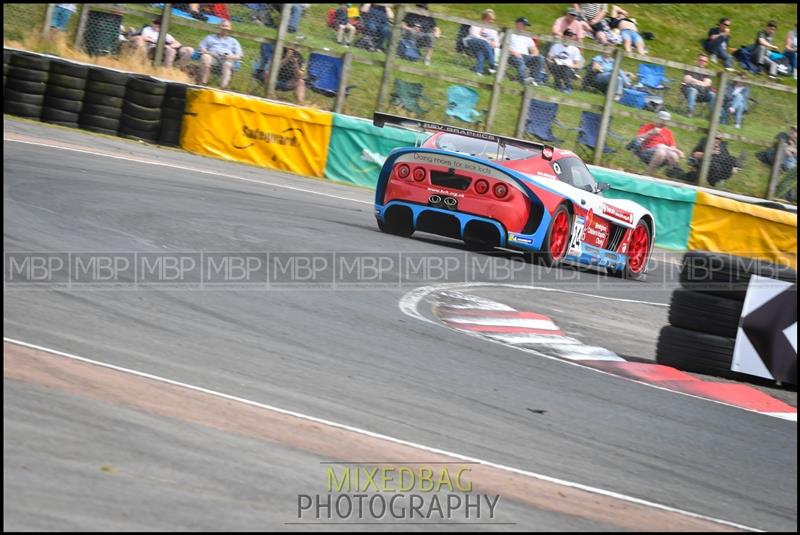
652 78
461 102
324 73
588 130
541 119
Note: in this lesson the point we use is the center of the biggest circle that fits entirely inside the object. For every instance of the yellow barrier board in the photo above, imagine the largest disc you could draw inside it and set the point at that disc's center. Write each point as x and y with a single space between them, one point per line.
726 226
267 134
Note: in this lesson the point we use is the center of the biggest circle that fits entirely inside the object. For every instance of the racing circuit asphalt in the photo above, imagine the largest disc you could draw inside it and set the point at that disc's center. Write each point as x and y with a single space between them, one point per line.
347 354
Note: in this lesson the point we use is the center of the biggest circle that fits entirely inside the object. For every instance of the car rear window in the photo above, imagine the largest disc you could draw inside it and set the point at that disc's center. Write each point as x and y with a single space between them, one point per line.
482 149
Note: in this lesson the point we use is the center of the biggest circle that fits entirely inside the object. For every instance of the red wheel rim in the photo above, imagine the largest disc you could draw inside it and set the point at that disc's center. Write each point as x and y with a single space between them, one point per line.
637 252
558 235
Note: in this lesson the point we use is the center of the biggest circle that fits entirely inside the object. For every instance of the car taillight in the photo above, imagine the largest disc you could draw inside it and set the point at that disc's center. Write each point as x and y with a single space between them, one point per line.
481 186
403 171
419 174
500 190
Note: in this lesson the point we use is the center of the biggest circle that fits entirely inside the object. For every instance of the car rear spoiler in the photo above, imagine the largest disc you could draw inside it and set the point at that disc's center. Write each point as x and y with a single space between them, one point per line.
380 119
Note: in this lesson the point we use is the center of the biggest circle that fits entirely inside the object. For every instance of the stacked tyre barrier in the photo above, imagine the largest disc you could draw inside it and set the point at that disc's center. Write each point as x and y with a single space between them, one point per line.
66 88
172 115
705 311
26 85
141 109
6 57
102 109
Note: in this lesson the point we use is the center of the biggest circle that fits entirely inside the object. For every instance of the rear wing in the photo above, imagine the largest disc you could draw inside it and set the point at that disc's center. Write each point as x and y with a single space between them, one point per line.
380 119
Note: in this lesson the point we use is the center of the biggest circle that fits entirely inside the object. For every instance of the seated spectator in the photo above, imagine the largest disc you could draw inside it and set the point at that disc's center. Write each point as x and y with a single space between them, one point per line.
593 18
377 23
148 39
193 10
697 87
791 49
601 68
61 16
717 42
789 157
523 54
763 46
565 60
628 30
722 167
344 28
295 14
481 43
291 74
422 30
568 22
655 145
735 103
267 14
219 51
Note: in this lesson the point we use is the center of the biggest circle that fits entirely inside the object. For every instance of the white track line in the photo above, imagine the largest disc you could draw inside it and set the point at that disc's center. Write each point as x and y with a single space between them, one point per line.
505 322
595 490
410 301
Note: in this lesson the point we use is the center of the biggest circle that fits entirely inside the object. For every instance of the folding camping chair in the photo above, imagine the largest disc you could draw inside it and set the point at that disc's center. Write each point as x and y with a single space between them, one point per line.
651 78
588 130
541 119
407 96
324 74
461 102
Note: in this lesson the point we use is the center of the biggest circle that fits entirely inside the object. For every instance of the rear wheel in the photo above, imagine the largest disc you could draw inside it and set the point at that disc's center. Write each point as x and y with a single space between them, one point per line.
557 240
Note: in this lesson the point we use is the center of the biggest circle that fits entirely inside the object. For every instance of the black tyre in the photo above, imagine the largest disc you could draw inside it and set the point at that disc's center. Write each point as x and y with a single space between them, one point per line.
70 124
24 98
52 114
22 110
171 124
175 103
133 133
73 106
170 138
727 275
103 100
65 93
172 115
554 247
141 112
692 351
141 125
147 85
100 130
108 76
70 82
176 91
104 88
99 121
30 61
25 86
31 75
639 250
111 112
69 69
144 99
704 313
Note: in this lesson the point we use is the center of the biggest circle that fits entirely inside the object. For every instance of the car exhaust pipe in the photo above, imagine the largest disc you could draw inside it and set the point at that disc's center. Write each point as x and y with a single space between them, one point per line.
435 200
450 202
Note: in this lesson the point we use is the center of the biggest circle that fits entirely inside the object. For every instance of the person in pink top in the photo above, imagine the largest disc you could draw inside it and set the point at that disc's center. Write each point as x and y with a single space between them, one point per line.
571 22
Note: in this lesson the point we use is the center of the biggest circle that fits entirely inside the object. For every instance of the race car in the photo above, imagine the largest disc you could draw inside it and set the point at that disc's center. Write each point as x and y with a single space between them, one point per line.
495 191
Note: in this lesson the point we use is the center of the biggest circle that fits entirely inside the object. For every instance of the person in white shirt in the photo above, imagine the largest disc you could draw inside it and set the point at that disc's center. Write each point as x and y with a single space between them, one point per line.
481 43
524 55
219 50
148 39
565 60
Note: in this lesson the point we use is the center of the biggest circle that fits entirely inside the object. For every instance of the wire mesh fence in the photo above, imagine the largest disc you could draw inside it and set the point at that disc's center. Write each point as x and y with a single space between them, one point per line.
466 72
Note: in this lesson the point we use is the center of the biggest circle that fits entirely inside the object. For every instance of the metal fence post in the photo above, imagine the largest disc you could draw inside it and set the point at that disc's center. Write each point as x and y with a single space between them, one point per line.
162 35
605 119
347 59
523 112
81 26
498 79
780 150
48 19
277 55
713 126
394 40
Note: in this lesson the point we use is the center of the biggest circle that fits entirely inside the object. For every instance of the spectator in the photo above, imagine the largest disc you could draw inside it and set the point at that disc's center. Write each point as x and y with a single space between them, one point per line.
789 157
193 10
717 42
762 48
696 87
422 30
148 39
791 49
602 66
568 22
295 14
61 16
524 55
593 18
219 51
481 43
655 145
722 166
628 30
377 20
564 60
290 74
344 28
735 103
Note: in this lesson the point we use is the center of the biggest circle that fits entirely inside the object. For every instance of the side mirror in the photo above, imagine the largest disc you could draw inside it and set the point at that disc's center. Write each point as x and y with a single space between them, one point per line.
603 186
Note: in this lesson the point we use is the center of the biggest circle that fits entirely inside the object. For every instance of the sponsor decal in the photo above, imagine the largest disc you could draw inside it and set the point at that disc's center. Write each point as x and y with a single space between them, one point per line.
596 231
577 236
515 238
256 134
618 213
557 168
445 192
